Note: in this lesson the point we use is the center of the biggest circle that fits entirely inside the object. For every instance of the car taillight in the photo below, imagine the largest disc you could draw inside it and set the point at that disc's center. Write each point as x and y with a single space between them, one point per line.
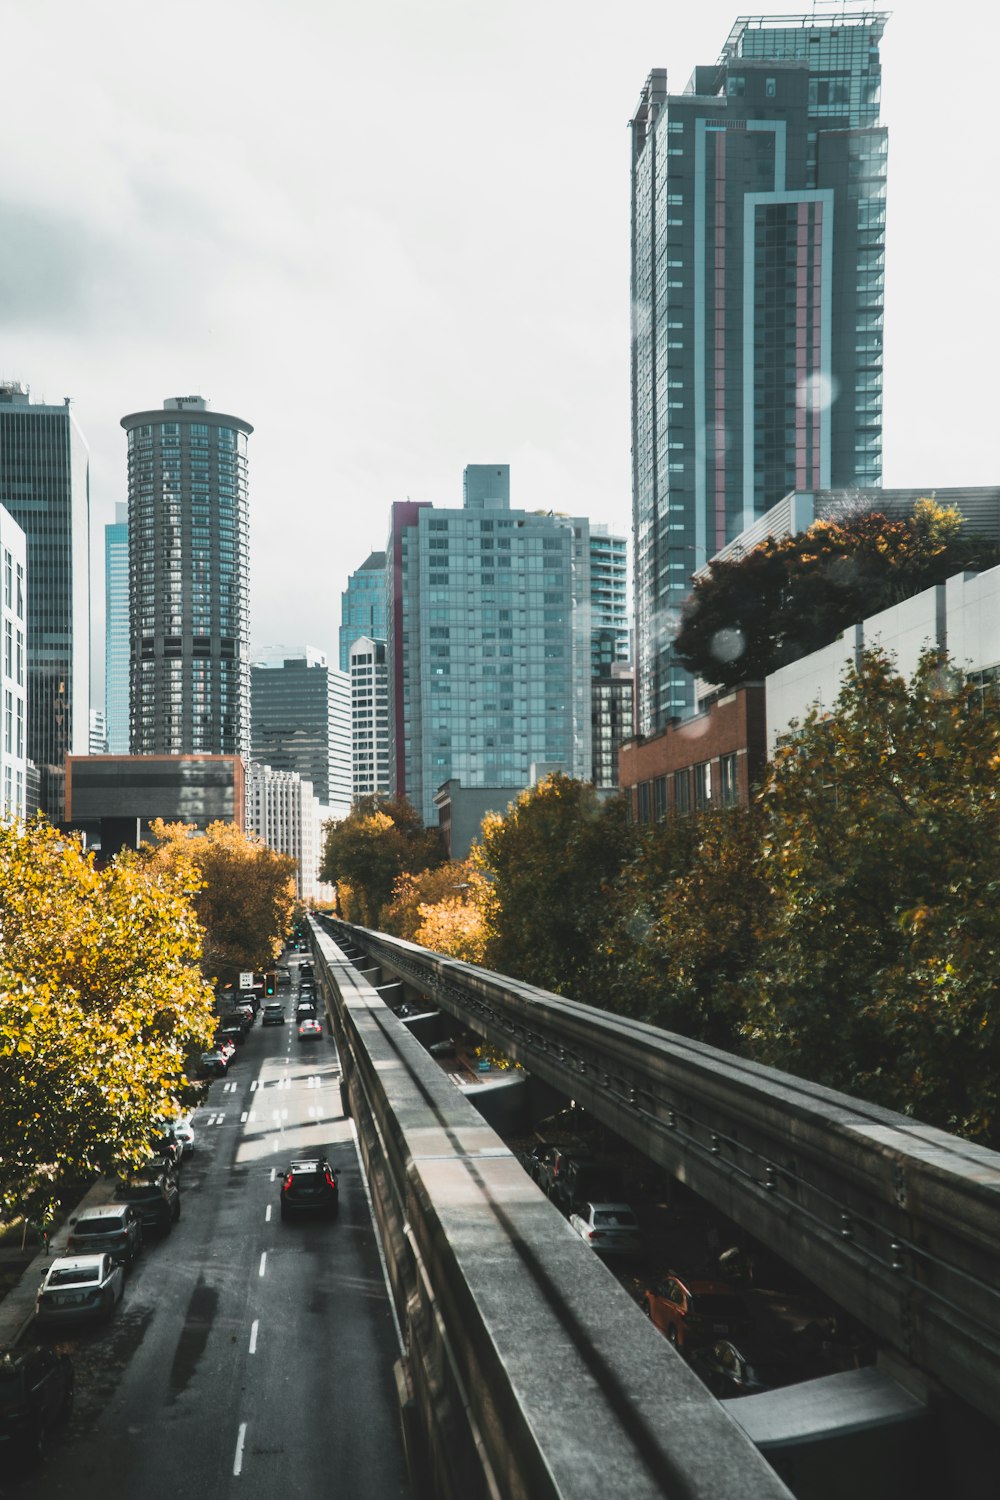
330 1180
287 1182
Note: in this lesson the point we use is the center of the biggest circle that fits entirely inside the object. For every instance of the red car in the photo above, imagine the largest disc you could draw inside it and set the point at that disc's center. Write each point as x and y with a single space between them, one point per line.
692 1312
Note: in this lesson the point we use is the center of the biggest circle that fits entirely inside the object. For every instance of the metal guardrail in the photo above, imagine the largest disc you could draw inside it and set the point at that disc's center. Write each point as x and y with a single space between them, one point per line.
897 1221
529 1372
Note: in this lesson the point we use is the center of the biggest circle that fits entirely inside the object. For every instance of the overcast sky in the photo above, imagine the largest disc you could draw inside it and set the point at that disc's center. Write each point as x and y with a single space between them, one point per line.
394 236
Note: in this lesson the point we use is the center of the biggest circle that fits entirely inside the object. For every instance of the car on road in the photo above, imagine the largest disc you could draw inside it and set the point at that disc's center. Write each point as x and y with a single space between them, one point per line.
282 978
213 1064
114 1227
310 1030
231 1031
746 1366
692 1311
155 1195
608 1228
79 1288
305 1009
309 1185
184 1131
274 1014
36 1393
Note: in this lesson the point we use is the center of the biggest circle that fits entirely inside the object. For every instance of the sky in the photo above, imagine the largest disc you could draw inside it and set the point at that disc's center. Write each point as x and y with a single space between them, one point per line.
394 237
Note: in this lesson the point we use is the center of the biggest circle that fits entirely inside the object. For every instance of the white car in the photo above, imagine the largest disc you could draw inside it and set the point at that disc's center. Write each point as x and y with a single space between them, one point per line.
80 1288
184 1133
608 1228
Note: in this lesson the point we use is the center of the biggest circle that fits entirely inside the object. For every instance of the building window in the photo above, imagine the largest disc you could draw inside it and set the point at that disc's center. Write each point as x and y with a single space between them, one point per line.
703 785
729 780
643 802
682 791
660 798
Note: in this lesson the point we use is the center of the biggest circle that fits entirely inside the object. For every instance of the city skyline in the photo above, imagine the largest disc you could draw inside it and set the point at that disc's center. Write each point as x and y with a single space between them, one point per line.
471 297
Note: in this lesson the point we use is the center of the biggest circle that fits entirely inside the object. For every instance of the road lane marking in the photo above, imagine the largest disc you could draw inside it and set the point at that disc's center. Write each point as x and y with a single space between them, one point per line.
218 1119
267 1215
244 1117
238 1460
253 1335
253 1085
263 1262
274 1173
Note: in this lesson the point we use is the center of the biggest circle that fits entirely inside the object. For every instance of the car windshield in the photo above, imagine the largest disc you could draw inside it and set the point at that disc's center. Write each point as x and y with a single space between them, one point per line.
73 1276
615 1218
98 1226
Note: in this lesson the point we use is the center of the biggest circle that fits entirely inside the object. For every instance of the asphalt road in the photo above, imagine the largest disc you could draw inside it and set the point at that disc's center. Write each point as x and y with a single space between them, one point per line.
250 1357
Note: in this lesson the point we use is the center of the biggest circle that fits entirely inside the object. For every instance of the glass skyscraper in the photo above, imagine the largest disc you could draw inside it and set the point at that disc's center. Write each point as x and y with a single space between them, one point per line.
116 633
362 606
45 487
300 720
489 642
758 240
188 535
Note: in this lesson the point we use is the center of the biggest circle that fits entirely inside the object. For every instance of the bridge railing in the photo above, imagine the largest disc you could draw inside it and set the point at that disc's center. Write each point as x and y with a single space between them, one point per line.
897 1221
529 1372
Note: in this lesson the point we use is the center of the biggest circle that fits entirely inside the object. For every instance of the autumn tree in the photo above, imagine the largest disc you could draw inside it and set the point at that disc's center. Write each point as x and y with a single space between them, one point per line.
101 1003
551 863
789 596
443 909
878 967
244 892
381 839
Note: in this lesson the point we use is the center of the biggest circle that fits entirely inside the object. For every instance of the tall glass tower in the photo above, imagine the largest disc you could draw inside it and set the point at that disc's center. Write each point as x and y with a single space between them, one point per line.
362 606
301 720
45 487
116 633
188 536
758 246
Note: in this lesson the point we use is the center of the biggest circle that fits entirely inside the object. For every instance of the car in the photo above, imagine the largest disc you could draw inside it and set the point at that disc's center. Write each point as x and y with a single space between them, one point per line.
310 1030
282 978
36 1392
304 1009
227 1047
166 1146
692 1311
114 1227
155 1196
274 1014
213 1064
309 1185
747 1366
184 1131
79 1288
608 1228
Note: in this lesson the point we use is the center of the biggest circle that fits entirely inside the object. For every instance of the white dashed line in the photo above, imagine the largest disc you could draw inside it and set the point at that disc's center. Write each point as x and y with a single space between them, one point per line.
219 1119
253 1085
253 1335
244 1117
238 1460
267 1214
274 1173
263 1262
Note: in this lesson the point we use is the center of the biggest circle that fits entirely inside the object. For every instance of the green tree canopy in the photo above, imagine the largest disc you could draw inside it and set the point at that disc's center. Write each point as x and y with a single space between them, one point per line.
879 965
101 1003
381 839
749 615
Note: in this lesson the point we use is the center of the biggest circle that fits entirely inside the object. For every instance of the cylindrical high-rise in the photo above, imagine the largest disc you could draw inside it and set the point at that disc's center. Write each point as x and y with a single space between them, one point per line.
189 613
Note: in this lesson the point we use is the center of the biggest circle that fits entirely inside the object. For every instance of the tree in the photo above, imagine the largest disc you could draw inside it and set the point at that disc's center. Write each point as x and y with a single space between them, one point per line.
101 1003
245 892
878 967
551 863
443 909
381 839
747 616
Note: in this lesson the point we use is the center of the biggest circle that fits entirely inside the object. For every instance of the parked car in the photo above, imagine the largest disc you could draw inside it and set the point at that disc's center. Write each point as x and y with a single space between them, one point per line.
79 1288
274 1014
115 1227
608 1228
213 1064
184 1131
36 1392
309 1186
692 1311
310 1030
232 1031
155 1196
746 1366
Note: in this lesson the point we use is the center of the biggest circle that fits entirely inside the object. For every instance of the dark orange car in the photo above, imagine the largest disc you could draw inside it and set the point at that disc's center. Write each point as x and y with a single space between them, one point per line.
692 1312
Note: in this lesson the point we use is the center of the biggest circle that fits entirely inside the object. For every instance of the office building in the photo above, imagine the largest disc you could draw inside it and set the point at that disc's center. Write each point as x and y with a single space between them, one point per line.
611 688
188 538
369 717
284 812
45 487
488 643
13 675
98 742
116 633
301 720
758 238
362 606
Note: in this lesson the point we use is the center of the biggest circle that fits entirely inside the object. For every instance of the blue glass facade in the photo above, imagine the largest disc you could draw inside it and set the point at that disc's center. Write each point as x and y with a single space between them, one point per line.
116 628
758 238
362 607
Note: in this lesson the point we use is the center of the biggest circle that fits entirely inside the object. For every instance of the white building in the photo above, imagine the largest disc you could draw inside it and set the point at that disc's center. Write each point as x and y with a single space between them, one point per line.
13 665
369 675
284 811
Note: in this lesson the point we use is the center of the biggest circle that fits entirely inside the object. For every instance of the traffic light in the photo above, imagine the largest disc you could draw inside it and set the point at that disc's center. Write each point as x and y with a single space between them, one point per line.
270 982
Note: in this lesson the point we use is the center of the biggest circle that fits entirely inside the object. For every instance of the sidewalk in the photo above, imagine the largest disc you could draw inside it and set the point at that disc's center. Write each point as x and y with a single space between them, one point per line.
17 1309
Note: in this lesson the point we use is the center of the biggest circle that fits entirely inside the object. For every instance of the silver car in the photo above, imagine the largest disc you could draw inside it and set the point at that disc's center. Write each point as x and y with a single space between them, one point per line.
608 1228
80 1288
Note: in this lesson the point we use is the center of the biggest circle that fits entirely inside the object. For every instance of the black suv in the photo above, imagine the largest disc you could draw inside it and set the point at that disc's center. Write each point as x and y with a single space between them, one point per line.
116 1228
155 1196
309 1186
36 1392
